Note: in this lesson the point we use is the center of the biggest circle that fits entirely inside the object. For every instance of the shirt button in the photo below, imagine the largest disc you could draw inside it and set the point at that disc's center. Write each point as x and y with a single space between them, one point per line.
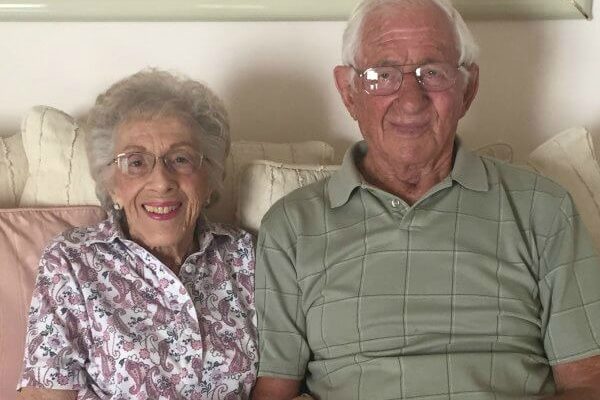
395 203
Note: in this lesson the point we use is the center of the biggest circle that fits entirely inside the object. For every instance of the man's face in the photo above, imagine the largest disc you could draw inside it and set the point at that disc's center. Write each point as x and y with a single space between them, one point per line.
411 126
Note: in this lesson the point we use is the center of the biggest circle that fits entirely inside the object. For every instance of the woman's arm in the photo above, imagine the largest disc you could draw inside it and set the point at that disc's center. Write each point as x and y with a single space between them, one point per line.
46 394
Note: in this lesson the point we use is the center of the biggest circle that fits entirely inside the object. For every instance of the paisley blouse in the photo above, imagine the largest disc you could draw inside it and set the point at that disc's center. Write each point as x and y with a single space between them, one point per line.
109 320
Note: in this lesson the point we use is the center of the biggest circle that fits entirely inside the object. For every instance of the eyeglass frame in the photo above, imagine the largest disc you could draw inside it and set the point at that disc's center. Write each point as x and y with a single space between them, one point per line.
166 163
361 75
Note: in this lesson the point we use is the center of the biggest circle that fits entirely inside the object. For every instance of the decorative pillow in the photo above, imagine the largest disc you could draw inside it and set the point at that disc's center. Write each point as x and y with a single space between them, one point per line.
569 158
58 167
265 182
13 170
23 235
242 153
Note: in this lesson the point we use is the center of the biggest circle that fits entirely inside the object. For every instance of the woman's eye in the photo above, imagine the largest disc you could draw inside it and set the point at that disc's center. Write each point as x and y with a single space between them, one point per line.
136 161
182 159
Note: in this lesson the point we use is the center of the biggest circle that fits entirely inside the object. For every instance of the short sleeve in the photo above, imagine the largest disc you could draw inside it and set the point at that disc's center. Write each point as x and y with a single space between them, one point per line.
283 348
56 345
569 289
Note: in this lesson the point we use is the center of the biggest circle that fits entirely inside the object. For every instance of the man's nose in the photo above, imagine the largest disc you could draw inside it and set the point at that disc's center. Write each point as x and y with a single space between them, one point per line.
411 96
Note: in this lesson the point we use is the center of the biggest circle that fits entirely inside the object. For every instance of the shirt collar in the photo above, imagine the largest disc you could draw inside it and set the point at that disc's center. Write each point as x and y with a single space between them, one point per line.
111 229
468 170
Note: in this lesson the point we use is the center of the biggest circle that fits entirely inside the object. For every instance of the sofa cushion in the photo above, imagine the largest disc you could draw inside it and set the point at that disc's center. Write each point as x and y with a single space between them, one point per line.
23 235
58 167
570 159
13 170
265 182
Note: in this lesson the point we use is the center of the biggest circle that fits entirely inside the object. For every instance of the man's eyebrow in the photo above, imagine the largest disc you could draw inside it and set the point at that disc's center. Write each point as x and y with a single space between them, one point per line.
390 63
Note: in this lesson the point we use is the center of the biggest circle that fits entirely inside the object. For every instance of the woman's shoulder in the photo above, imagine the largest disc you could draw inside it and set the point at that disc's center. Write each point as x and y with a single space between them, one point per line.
79 236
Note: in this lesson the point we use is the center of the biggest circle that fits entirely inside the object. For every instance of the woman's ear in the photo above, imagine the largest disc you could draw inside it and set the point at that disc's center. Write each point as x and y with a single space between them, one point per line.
108 183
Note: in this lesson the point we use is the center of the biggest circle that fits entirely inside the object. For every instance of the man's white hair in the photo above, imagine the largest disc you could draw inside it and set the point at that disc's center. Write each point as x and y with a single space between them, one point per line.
465 41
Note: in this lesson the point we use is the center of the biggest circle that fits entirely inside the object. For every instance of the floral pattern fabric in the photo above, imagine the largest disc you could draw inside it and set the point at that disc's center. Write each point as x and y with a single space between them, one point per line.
109 320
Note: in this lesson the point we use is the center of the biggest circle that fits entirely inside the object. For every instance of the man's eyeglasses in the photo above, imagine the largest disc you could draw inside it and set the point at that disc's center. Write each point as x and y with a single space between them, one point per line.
137 164
385 80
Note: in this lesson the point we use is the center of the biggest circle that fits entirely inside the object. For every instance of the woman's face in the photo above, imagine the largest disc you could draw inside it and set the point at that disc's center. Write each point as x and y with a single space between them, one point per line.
161 207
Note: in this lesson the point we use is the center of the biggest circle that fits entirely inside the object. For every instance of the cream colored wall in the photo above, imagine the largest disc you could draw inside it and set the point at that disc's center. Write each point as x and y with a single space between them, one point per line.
537 78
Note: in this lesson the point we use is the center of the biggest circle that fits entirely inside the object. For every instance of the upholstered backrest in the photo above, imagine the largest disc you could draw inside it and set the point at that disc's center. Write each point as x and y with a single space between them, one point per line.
23 235
52 154
264 182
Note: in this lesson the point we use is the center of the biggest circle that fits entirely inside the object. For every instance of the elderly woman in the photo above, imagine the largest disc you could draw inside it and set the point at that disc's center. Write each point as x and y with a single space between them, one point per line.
155 302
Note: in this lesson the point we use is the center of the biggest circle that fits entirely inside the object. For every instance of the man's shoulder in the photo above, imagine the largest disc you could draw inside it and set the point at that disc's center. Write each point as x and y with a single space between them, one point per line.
513 177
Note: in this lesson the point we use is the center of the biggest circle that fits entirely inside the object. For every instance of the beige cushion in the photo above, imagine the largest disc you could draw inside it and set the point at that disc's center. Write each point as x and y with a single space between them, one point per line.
23 235
265 182
569 158
13 170
242 153
58 167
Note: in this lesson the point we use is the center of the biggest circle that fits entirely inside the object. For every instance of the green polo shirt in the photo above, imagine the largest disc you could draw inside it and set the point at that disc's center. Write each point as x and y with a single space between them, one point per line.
473 292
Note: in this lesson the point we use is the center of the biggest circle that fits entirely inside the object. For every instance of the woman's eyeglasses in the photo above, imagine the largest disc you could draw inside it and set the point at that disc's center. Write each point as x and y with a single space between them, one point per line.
137 164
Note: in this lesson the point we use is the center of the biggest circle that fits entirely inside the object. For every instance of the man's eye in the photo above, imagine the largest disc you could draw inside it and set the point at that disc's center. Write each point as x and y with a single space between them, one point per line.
384 76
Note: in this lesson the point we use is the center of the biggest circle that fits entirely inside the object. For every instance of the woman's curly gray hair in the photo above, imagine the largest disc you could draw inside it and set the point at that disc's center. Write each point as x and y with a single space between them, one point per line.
151 94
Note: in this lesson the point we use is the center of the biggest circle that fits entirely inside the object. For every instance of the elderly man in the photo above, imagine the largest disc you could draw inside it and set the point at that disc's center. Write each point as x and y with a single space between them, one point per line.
420 270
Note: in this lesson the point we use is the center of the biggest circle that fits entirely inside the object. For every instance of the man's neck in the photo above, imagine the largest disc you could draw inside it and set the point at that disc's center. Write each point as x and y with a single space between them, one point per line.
410 182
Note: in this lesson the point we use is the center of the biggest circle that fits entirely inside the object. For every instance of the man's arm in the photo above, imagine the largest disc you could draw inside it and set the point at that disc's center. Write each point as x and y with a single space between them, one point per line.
267 388
577 380
46 394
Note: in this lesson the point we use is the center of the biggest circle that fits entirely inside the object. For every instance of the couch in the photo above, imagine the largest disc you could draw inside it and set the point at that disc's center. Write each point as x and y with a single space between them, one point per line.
46 187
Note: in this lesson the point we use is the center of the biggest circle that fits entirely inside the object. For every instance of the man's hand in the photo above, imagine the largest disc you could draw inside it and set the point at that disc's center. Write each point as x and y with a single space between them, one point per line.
267 388
577 380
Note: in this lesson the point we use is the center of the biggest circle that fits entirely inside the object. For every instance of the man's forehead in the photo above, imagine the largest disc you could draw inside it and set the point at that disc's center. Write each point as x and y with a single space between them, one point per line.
382 35
387 30
407 21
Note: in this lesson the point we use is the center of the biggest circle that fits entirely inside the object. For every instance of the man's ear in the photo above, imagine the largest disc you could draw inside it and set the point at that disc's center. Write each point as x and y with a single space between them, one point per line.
343 82
471 88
